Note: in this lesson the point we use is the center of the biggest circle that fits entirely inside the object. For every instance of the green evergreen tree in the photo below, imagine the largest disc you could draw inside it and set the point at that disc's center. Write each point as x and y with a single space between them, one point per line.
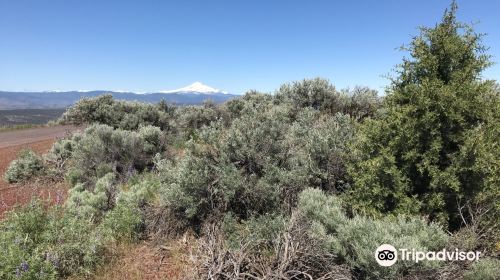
407 158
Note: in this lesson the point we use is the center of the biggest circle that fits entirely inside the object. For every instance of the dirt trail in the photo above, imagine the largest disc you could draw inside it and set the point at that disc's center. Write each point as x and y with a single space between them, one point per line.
25 136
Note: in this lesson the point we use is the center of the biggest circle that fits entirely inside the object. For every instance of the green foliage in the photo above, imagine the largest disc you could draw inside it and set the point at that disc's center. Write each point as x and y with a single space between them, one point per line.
20 235
117 211
477 167
360 102
100 149
355 239
254 231
484 269
52 243
258 163
152 139
191 118
119 114
125 220
27 165
409 159
254 140
74 176
317 150
40 243
320 94
265 247
62 150
323 210
288 154
73 244
197 185
317 93
91 204
143 191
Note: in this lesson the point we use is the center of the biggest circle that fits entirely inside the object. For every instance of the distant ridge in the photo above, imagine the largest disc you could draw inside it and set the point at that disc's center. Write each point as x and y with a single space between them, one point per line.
193 94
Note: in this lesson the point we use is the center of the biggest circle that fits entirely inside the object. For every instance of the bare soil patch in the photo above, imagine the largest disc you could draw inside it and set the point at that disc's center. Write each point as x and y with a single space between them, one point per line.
32 135
148 261
39 140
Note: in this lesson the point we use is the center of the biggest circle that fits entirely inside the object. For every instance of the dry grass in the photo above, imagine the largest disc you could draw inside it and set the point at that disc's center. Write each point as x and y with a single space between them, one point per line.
148 261
19 127
293 255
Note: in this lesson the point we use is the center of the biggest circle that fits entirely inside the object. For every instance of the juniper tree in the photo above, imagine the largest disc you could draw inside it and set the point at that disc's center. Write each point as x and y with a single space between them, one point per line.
407 157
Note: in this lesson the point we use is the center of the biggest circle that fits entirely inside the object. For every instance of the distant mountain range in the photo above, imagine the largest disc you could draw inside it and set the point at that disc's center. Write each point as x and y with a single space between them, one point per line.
195 93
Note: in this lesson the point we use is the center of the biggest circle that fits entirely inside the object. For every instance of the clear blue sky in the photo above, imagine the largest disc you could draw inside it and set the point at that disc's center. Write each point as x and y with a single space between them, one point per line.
233 45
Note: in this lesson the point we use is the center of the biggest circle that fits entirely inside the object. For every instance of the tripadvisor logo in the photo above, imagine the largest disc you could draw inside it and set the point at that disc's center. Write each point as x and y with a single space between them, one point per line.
387 255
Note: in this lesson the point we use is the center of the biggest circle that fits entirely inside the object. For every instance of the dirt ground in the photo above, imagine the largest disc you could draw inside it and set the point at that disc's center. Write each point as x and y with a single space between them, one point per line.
147 261
39 140
32 135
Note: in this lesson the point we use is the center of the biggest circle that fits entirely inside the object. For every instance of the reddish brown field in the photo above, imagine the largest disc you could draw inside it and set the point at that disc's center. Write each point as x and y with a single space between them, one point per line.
39 140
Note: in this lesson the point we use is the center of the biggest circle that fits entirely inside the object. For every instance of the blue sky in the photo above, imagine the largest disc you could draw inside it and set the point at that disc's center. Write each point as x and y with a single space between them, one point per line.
233 45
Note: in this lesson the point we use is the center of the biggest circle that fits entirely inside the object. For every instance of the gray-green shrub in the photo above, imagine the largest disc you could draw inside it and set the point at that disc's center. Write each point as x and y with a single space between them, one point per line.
258 230
320 94
125 115
258 163
484 269
125 220
101 149
316 93
41 243
191 118
355 239
265 247
199 185
92 203
27 165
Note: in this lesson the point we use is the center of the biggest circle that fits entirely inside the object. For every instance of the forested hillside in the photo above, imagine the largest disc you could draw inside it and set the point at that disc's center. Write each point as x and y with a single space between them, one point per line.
303 183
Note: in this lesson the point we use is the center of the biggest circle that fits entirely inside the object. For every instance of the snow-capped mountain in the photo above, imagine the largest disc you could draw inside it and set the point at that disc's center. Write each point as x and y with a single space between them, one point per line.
195 87
195 93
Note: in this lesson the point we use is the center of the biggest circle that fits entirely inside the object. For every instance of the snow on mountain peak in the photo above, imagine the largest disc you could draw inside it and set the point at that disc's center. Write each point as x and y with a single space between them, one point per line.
195 87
